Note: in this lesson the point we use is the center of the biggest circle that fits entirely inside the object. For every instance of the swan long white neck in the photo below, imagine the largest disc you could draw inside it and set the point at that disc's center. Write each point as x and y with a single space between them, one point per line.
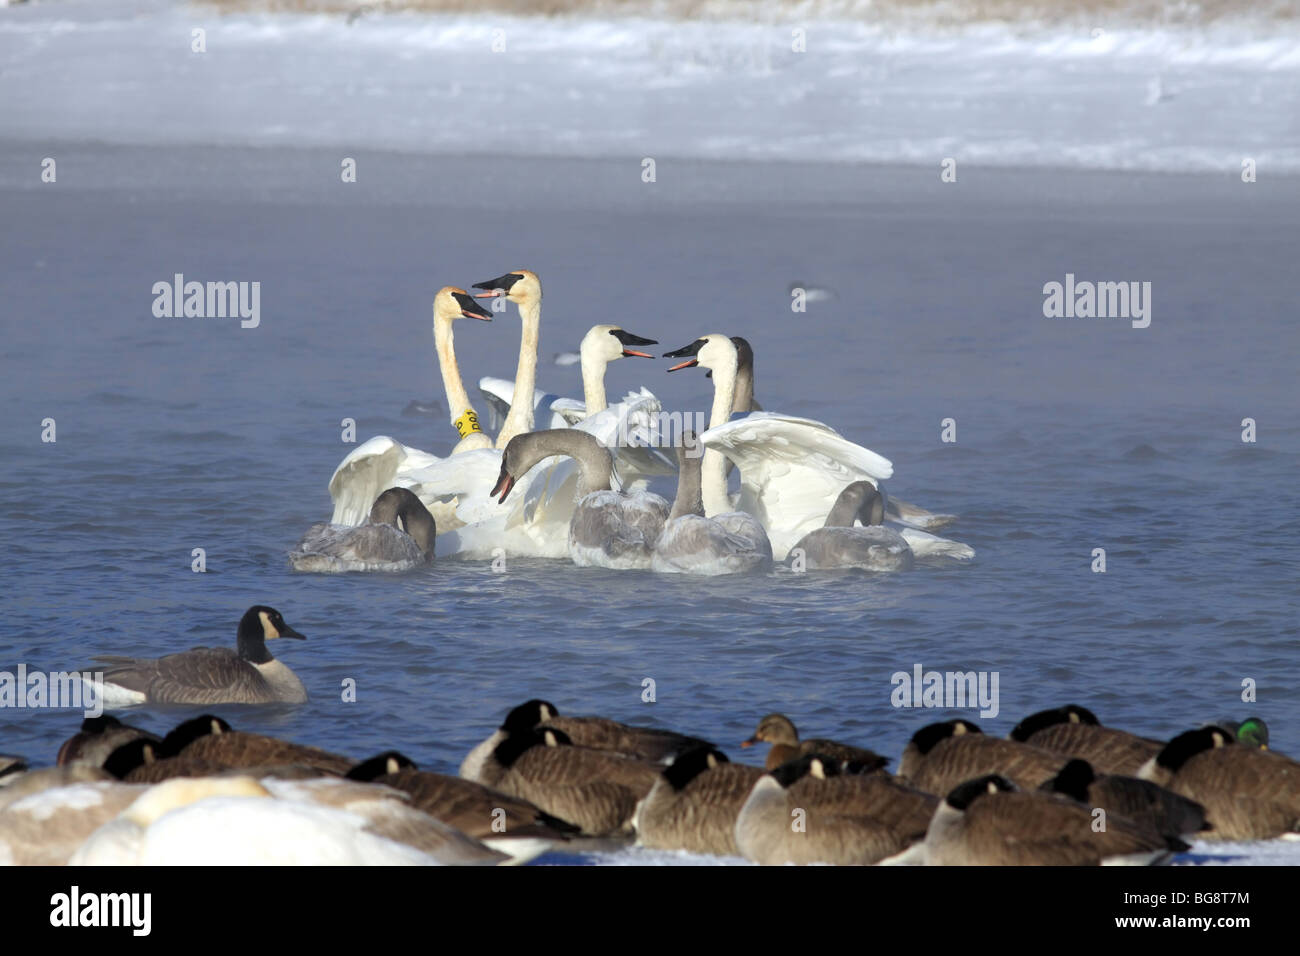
520 417
593 379
714 465
457 398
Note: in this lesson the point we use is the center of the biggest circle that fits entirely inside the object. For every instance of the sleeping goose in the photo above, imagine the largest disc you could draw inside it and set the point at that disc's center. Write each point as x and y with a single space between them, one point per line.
988 821
807 811
779 731
508 824
842 544
595 790
209 675
1148 805
694 803
608 529
942 755
399 535
211 739
97 738
1247 793
690 543
1074 731
596 733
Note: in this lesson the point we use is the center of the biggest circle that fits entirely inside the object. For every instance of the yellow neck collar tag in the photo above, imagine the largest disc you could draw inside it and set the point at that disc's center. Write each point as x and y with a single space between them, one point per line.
467 424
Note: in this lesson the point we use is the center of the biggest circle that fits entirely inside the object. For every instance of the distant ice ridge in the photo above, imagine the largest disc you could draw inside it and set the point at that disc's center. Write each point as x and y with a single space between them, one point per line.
1173 99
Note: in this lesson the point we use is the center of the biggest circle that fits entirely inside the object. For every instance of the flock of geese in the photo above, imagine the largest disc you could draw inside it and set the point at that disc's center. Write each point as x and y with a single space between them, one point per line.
1061 790
578 488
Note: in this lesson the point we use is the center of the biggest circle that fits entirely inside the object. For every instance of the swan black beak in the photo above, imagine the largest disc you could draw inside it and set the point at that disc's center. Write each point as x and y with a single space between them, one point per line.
469 309
692 350
505 481
495 288
626 338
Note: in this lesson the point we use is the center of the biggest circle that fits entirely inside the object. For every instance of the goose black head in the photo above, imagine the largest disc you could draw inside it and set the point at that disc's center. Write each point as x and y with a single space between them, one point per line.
188 731
519 743
963 795
1073 780
130 755
928 737
817 766
529 714
381 765
1069 714
260 624
691 764
1190 743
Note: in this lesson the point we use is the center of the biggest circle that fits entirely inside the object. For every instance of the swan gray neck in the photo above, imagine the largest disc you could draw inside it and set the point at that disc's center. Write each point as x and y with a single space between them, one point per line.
690 499
743 400
595 463
400 508
860 501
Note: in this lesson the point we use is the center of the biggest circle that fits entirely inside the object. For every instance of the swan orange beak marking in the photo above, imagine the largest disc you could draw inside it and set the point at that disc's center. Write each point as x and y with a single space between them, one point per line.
634 352
687 364
747 743
492 294
481 318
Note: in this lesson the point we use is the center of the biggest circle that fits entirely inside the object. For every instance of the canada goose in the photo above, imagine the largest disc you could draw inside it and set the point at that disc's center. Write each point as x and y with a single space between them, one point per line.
399 535
1252 731
595 733
209 675
44 827
609 529
238 821
595 790
789 466
1141 802
989 822
143 761
940 756
807 811
209 738
524 289
506 823
842 544
694 803
690 543
1247 793
1075 732
779 731
99 737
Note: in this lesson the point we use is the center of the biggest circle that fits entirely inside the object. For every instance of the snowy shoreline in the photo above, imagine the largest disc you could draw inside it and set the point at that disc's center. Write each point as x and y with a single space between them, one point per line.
1159 99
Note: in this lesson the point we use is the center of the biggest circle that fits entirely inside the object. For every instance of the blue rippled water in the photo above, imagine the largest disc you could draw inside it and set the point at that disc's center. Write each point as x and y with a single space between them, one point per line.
174 434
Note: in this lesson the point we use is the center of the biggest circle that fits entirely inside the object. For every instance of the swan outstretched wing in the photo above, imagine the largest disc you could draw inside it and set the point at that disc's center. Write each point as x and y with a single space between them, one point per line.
498 393
791 470
370 469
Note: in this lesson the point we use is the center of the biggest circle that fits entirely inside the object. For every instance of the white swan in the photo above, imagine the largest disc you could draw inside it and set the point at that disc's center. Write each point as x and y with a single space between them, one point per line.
690 543
373 466
608 529
601 345
524 289
399 535
839 544
789 466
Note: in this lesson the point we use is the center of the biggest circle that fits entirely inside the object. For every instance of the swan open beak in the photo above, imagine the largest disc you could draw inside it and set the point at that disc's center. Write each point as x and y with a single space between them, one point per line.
469 309
750 742
491 294
691 350
626 339
505 481
495 288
